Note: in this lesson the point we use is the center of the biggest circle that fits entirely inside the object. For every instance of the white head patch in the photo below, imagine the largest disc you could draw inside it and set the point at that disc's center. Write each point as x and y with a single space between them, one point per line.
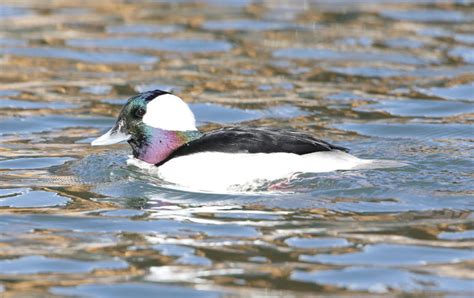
169 112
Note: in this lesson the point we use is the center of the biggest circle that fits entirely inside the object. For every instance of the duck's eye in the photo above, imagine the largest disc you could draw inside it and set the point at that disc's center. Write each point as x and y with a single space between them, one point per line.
140 112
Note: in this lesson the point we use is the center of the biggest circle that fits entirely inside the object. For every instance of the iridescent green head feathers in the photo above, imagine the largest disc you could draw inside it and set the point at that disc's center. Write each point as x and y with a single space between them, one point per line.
154 123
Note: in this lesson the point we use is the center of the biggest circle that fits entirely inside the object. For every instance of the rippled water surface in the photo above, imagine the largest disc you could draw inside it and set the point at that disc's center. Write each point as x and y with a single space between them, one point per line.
387 79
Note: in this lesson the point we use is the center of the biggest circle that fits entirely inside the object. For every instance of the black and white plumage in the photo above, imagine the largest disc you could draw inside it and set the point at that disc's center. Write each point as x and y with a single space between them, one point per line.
250 139
161 129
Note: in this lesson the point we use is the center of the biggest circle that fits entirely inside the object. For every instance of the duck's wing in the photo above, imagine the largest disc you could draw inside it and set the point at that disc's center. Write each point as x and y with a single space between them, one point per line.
254 140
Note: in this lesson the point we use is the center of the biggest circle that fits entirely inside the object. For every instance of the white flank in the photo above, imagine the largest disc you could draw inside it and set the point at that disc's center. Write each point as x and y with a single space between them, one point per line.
169 112
222 172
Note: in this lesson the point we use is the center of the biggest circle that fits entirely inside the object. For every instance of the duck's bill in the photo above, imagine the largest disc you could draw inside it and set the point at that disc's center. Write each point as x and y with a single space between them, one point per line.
113 136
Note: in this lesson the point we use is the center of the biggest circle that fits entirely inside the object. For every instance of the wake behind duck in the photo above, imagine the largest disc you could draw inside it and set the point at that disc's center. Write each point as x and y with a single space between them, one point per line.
161 129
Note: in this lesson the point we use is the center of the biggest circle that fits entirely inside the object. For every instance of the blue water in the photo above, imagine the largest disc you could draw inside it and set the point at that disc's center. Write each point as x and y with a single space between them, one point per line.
388 80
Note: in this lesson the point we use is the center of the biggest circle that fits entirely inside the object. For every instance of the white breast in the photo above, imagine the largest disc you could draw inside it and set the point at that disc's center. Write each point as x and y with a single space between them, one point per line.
223 172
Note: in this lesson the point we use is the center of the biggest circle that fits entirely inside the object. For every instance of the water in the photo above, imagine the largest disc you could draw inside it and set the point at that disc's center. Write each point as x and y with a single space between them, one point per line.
388 80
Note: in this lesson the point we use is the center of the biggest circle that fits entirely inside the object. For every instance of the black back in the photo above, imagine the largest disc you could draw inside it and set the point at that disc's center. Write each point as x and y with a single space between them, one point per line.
254 140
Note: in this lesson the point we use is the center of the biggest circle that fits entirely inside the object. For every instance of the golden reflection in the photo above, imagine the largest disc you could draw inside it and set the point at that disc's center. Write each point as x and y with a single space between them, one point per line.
65 63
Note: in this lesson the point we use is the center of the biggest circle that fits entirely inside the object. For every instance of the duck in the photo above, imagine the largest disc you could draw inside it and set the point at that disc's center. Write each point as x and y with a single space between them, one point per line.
161 130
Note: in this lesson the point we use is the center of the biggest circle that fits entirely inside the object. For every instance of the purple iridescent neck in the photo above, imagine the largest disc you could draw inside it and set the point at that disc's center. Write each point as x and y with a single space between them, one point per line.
156 144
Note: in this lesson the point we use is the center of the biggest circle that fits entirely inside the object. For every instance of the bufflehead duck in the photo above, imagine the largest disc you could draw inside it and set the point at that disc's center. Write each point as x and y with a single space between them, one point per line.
161 129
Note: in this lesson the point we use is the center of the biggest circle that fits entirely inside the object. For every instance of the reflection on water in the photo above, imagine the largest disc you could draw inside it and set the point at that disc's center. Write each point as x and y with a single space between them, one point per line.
88 57
389 80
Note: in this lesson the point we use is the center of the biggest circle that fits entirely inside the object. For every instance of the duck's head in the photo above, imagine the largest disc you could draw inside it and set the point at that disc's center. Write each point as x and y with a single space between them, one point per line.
145 117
